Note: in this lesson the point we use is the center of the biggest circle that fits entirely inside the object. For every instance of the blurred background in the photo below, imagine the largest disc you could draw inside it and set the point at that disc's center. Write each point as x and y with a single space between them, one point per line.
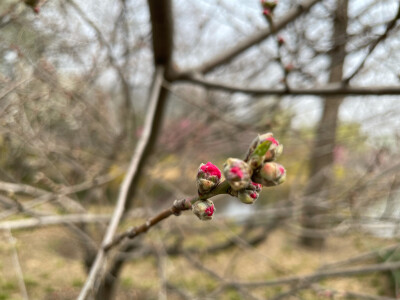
75 81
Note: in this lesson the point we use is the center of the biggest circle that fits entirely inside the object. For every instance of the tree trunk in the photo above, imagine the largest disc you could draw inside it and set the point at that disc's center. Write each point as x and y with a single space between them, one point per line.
162 37
322 154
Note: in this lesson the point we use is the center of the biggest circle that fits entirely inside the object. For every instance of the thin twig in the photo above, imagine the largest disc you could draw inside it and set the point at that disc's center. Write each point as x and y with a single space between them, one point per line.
184 294
17 266
323 275
362 257
175 209
327 90
125 84
44 219
138 230
44 196
161 266
257 38
53 220
201 267
348 294
13 87
212 111
372 47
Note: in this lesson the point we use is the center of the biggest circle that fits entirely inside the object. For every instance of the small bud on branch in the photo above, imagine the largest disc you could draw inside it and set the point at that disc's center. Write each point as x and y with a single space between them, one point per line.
272 174
204 209
208 177
281 40
263 149
238 173
250 194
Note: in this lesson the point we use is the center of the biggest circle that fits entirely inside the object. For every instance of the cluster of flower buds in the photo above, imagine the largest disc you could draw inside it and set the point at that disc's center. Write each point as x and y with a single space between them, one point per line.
208 177
204 209
258 168
245 177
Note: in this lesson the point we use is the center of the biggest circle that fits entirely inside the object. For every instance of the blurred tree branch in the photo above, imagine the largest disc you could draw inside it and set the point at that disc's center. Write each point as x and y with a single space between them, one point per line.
228 55
127 184
332 89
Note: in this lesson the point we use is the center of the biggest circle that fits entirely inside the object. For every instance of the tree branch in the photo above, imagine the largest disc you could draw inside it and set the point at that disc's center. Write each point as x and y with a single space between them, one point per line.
44 196
348 294
17 266
53 220
323 275
328 90
257 38
372 47
175 209
130 176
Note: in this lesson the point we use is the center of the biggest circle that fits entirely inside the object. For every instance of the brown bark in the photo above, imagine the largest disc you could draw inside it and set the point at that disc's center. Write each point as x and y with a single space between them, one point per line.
322 153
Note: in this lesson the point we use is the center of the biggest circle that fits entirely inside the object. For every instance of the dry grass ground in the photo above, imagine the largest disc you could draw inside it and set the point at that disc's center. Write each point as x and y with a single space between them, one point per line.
52 267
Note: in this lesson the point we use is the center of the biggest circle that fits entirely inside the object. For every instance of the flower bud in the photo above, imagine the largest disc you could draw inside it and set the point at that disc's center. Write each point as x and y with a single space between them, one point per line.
204 209
289 68
272 174
237 173
264 148
208 177
268 4
267 12
250 194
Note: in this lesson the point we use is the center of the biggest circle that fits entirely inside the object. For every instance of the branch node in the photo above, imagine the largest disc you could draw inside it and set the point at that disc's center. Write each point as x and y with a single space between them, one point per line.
148 224
132 232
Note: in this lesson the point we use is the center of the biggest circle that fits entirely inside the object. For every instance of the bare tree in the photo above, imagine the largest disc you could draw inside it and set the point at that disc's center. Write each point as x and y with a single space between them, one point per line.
87 87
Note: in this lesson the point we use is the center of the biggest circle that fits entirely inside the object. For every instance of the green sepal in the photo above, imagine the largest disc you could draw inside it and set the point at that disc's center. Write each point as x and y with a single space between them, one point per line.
262 148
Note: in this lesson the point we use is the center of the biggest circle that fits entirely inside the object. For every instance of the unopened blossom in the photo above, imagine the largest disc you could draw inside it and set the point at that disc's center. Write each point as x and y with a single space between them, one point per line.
208 177
238 173
275 149
250 194
269 7
204 209
267 12
263 149
272 174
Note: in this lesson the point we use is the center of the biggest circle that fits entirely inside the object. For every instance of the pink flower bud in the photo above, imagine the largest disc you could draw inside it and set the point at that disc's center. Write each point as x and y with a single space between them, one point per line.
264 148
256 187
250 194
204 209
237 173
247 197
272 174
208 177
281 40
267 12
